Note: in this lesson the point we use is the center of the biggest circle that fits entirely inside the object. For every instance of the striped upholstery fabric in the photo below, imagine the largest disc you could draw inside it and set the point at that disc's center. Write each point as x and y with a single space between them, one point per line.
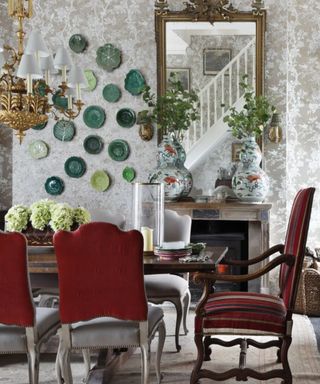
242 313
295 242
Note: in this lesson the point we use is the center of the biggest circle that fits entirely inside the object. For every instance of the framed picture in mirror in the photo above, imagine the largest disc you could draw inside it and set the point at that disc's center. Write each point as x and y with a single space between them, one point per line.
215 59
236 149
182 74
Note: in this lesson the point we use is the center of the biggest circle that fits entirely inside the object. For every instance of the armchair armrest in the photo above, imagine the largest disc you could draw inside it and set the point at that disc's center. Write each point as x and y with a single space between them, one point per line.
209 278
244 263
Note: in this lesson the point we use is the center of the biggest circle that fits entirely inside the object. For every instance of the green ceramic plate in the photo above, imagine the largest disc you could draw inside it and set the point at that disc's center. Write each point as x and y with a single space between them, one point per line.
54 185
60 101
134 82
100 181
78 43
119 150
64 130
38 149
108 57
128 174
93 144
126 117
91 79
40 126
94 116
75 167
111 93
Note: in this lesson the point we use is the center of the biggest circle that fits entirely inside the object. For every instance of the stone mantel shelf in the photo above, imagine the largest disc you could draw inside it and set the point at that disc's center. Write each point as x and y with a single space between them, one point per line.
223 210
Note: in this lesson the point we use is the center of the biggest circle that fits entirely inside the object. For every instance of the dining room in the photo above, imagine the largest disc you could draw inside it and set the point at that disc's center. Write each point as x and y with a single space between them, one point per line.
159 168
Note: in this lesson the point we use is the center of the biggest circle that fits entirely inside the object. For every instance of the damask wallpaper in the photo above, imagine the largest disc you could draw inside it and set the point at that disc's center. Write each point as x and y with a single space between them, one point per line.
291 81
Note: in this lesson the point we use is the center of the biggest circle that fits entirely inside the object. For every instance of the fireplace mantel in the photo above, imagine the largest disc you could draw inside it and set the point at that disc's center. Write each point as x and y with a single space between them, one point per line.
255 214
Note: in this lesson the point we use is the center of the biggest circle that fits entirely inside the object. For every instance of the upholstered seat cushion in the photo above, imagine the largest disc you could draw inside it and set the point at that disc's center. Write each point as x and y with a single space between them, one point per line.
13 339
242 313
109 331
165 285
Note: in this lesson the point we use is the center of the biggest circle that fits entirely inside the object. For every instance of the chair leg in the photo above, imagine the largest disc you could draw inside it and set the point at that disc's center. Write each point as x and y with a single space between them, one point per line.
179 305
200 354
33 364
145 362
58 367
162 336
64 362
286 342
87 361
186 305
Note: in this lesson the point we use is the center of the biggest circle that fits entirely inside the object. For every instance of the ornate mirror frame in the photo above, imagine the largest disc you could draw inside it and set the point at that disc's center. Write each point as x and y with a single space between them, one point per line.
212 11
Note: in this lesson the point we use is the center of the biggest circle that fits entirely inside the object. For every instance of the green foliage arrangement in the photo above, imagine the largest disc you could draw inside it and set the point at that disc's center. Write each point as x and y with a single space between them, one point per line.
254 116
174 111
45 213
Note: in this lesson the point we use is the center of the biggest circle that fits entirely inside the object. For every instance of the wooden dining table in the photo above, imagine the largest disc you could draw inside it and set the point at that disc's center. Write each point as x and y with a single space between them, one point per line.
43 271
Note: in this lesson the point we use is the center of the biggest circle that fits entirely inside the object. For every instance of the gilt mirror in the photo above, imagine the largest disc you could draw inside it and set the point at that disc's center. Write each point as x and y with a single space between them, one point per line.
210 46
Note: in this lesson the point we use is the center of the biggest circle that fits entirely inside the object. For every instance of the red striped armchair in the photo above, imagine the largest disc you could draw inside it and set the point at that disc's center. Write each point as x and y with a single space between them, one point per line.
254 314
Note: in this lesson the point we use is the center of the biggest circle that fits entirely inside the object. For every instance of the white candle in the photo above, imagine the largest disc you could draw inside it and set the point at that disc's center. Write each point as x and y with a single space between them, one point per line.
147 234
47 76
70 102
64 74
78 91
29 83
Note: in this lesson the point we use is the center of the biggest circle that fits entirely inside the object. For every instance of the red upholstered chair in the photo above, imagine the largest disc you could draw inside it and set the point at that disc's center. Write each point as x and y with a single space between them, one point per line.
22 326
255 314
169 287
102 297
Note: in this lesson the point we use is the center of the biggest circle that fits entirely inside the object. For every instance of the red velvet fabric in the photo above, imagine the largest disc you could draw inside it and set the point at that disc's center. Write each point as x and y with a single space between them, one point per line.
295 244
100 272
16 305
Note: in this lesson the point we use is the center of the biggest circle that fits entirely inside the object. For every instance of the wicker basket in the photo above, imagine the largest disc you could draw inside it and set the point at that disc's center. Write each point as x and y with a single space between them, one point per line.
308 297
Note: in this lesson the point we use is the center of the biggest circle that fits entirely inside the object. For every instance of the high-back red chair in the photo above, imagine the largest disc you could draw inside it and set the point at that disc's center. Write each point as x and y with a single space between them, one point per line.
102 296
22 326
255 314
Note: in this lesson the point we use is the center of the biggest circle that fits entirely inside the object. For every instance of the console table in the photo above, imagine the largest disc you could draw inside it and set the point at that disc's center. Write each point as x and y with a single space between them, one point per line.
255 214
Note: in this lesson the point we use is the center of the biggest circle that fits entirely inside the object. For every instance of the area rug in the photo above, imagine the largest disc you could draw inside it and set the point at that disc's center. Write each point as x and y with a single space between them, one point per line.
176 367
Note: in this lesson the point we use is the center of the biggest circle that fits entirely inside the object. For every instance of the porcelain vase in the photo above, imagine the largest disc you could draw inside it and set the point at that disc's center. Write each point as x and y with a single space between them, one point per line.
250 183
187 176
168 170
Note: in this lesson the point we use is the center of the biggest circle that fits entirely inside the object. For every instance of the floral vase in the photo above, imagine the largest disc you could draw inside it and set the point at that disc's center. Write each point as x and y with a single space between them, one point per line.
37 237
167 171
187 176
250 183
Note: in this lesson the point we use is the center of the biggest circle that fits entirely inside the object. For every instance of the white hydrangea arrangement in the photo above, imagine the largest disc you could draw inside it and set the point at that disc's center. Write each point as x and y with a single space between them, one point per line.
43 213
17 218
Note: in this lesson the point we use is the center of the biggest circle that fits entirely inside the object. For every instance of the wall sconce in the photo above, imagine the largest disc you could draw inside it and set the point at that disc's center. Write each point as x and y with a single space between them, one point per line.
275 131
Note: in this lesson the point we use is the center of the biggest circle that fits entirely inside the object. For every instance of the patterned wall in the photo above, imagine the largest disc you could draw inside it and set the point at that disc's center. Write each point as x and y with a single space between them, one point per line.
292 77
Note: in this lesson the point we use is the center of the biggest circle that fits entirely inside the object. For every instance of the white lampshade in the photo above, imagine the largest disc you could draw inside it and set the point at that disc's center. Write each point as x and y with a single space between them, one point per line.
62 59
77 78
28 67
46 64
36 45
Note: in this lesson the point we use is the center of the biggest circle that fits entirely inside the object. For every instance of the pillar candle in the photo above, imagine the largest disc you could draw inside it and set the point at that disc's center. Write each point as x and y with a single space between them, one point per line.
147 234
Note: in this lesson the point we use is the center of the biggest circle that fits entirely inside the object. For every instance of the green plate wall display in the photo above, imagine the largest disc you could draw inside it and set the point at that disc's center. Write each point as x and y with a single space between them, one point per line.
94 116
38 149
128 174
75 167
91 80
78 43
108 57
54 185
126 117
111 93
39 127
64 130
93 144
100 181
60 101
119 150
134 82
